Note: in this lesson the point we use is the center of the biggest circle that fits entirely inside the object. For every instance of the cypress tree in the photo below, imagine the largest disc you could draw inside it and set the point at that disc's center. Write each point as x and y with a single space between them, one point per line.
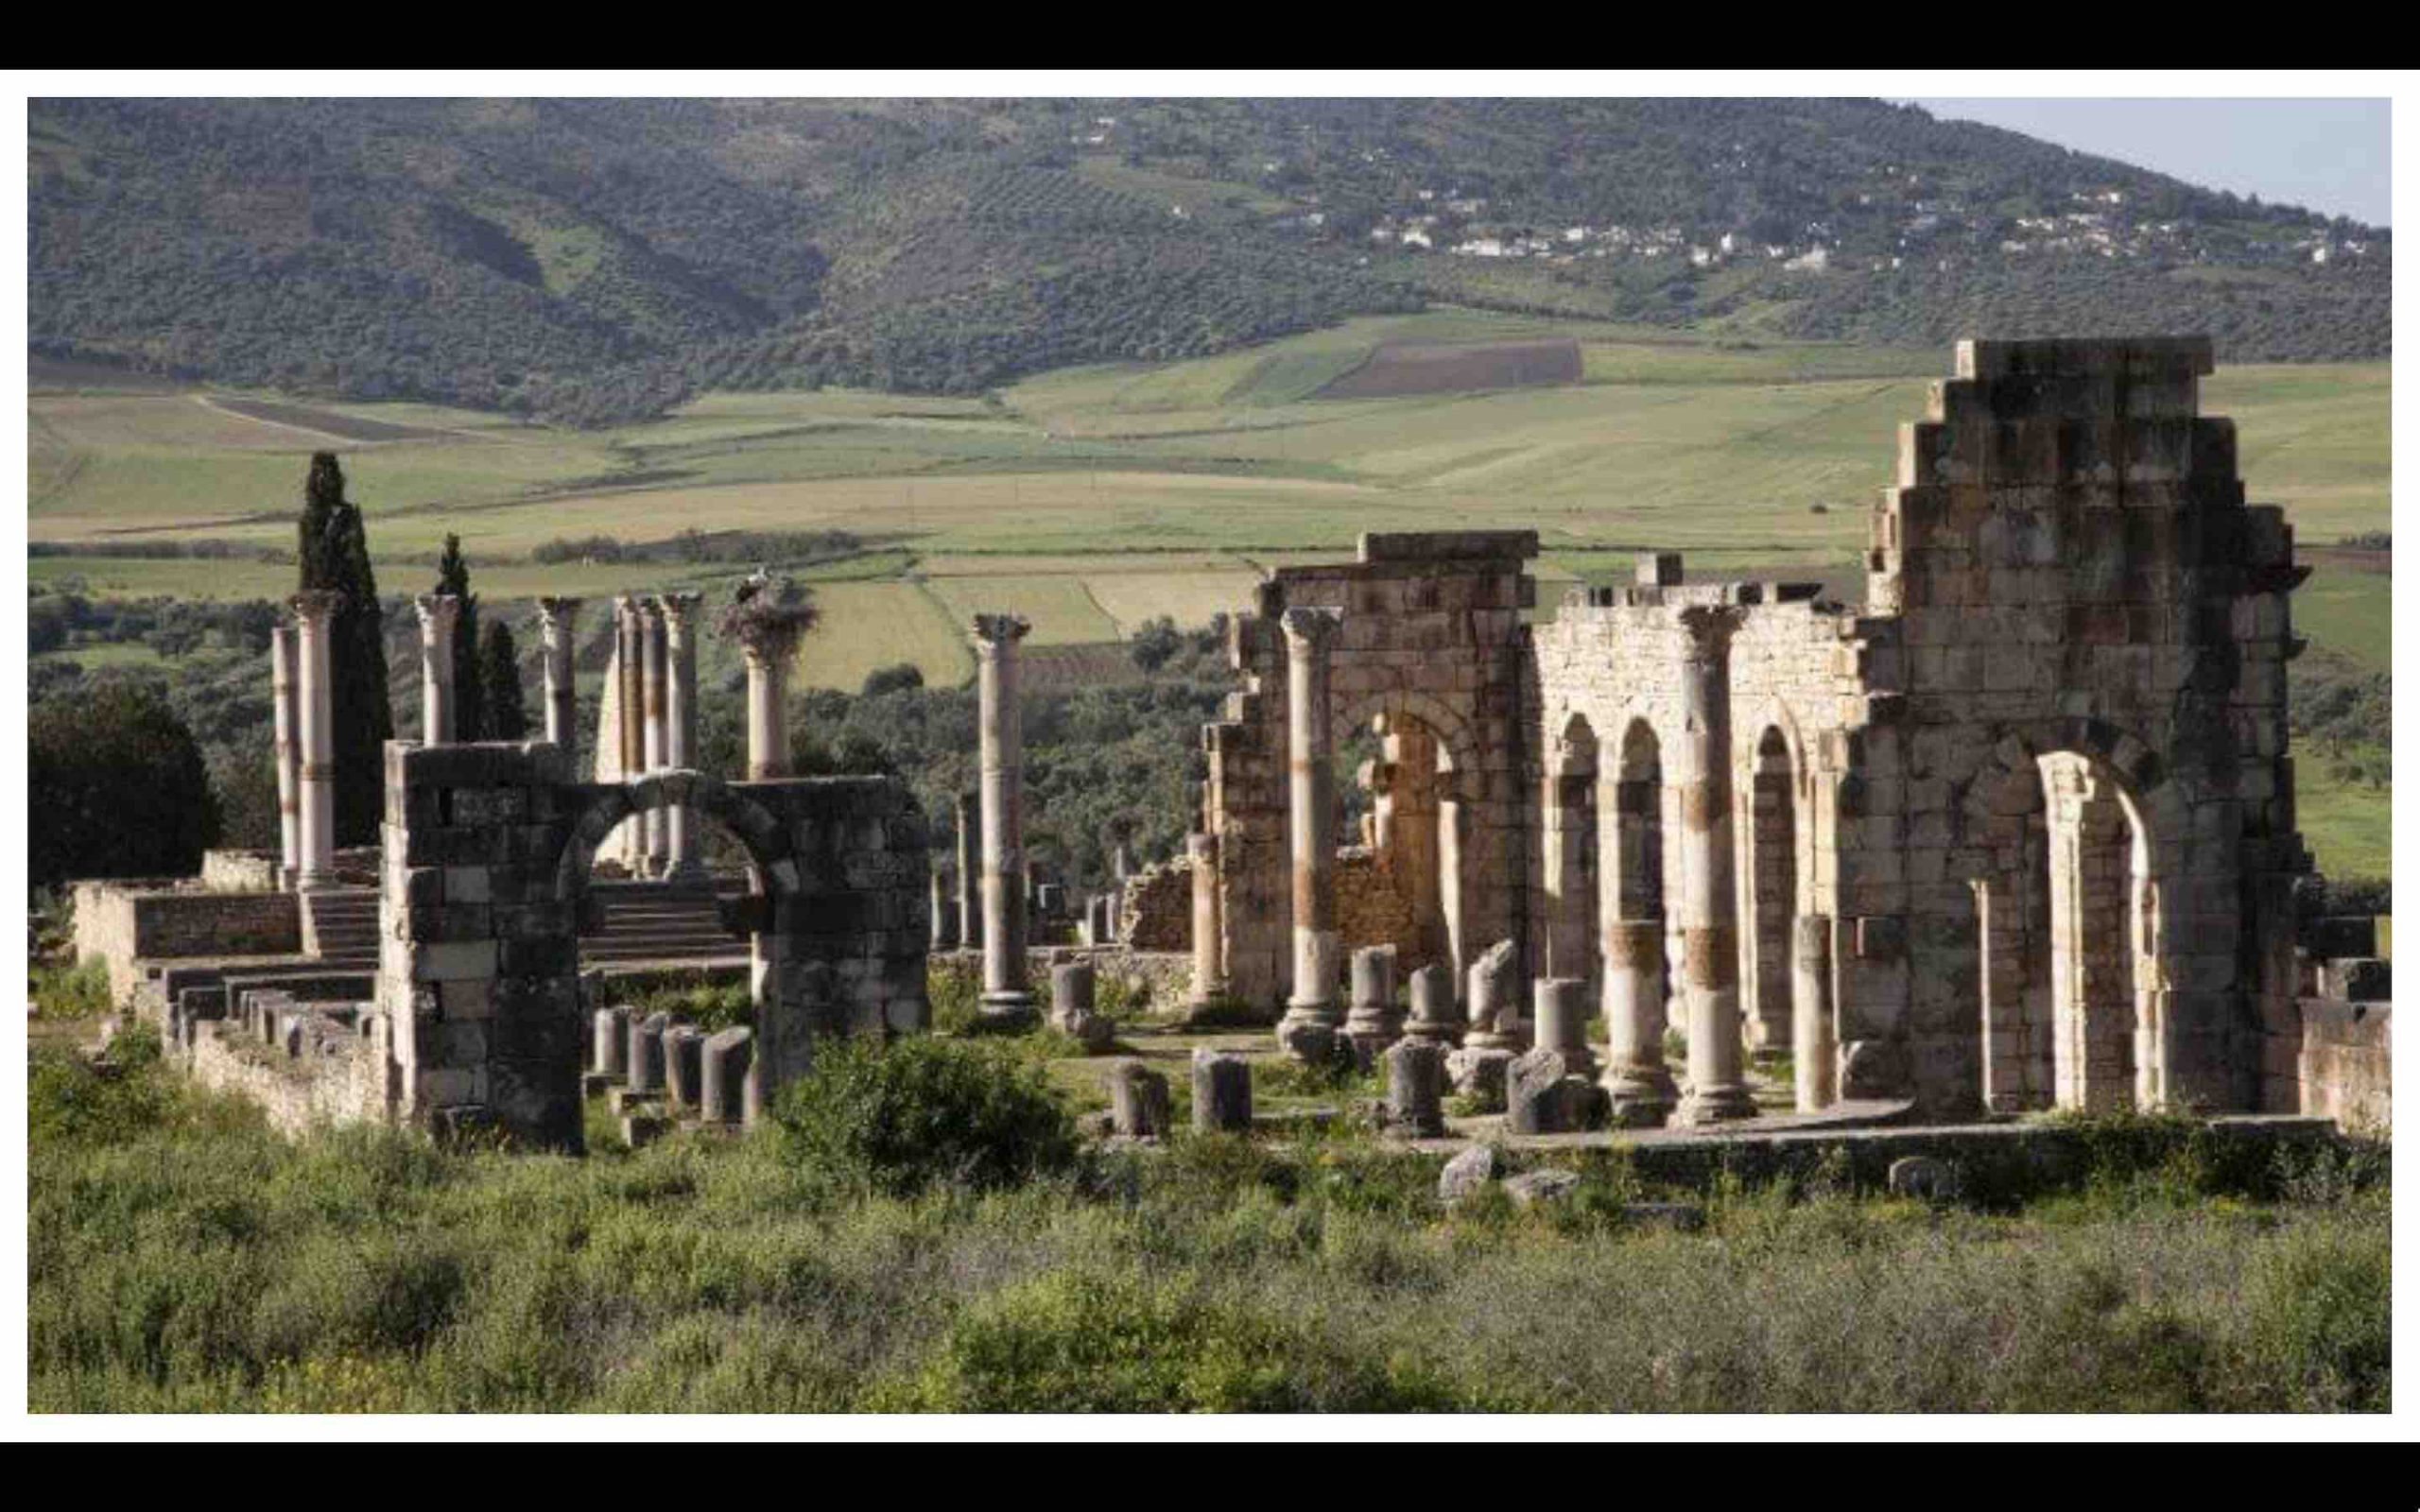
335 555
500 675
470 697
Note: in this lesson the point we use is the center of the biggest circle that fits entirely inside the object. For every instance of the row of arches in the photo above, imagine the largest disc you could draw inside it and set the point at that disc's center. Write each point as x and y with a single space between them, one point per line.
2058 1004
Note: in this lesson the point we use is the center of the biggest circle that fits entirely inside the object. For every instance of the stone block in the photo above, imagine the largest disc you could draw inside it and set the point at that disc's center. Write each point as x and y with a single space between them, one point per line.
1222 1093
1542 1095
644 1070
1139 1100
1468 1173
1479 1073
1532 1188
683 1067
726 1061
1415 1088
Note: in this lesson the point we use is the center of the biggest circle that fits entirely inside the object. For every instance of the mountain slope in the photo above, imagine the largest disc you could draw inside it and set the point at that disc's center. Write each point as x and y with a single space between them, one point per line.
593 260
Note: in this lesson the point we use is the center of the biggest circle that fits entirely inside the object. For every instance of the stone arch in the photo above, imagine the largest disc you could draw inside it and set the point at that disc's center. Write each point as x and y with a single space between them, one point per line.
1458 750
1570 851
1423 814
2039 923
771 866
1772 843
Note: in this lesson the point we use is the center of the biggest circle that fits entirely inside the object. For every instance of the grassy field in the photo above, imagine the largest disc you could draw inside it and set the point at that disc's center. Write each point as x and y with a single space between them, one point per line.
1094 499
181 1258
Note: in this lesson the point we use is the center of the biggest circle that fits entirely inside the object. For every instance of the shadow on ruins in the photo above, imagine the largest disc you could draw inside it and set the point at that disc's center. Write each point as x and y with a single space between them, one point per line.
2017 833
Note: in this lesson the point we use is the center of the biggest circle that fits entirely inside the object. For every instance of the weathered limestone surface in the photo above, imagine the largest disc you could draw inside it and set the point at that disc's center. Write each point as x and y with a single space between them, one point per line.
488 852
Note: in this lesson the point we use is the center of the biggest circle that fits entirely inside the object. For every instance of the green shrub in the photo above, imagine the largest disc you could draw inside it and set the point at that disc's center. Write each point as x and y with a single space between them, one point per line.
78 991
897 1118
956 998
68 1101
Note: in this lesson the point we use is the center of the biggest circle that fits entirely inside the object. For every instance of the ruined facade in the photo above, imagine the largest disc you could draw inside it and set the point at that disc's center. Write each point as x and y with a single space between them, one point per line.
2018 835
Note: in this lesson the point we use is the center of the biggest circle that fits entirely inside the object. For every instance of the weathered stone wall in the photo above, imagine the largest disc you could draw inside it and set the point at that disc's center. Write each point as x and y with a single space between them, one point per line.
1607 675
488 848
129 921
1374 907
1156 912
240 870
1153 982
2073 571
2330 1057
1430 637
306 1069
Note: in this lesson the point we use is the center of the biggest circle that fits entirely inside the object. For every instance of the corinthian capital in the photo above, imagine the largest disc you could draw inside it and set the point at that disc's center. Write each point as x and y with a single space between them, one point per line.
1708 627
1310 629
995 631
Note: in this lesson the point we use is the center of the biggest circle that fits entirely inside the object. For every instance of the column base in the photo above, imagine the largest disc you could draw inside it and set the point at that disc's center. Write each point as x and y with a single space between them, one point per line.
1716 1104
316 881
1007 1010
1308 1030
1642 1096
1379 1027
1494 1040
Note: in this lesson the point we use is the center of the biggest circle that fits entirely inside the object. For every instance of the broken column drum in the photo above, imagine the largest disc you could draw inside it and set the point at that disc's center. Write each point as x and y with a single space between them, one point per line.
438 615
558 636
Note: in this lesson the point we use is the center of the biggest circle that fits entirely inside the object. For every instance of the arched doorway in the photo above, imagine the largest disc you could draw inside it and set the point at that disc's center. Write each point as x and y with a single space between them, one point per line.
1570 861
1769 873
1419 824
2105 1050
2070 965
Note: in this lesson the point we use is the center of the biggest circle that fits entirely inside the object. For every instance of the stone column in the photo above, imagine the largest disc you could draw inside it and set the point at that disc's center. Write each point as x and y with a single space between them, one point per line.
970 870
557 632
1209 968
681 724
289 818
654 669
1813 1046
1311 817
1001 724
316 868
1709 898
1636 1076
628 662
768 644
629 677
438 615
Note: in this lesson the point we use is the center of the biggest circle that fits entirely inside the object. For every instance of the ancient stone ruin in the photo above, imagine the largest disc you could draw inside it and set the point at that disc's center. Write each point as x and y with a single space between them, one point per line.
2017 833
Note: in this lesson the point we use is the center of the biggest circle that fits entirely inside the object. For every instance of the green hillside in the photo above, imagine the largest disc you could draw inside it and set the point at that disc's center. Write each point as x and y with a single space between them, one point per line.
599 261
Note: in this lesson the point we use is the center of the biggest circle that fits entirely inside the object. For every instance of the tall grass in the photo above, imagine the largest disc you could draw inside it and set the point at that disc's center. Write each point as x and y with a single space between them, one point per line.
183 1258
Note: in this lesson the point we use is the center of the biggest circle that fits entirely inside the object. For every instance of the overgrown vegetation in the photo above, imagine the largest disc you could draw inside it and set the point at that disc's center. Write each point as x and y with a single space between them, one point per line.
183 1258
899 1118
